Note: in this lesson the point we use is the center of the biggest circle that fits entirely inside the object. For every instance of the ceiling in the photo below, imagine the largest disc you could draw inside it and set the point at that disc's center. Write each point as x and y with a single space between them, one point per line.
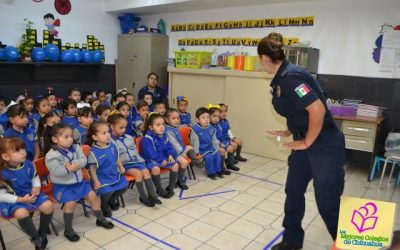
148 7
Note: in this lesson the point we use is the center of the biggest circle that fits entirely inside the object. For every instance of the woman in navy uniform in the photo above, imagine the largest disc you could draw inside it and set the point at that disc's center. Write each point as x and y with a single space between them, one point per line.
318 150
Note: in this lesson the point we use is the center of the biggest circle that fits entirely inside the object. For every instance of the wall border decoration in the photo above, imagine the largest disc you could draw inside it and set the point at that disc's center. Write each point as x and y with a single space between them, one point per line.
229 41
245 24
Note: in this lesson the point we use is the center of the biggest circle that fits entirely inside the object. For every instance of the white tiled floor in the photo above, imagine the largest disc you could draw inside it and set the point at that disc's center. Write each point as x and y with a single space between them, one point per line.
245 214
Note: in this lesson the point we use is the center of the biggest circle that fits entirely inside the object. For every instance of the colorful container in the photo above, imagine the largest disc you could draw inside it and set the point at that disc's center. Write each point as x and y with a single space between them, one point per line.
239 62
249 63
230 62
192 59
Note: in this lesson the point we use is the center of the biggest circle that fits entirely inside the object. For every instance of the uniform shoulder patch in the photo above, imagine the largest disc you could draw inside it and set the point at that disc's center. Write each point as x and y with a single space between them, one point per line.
302 90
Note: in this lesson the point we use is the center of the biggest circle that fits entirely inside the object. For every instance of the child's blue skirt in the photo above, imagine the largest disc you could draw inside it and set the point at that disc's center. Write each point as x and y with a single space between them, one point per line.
107 188
8 209
73 192
138 166
152 164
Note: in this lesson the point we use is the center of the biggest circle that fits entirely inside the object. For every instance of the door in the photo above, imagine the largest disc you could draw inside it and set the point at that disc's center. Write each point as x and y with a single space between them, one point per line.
133 63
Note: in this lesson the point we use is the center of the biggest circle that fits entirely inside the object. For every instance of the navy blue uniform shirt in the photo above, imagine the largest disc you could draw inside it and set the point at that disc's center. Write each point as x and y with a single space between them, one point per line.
293 89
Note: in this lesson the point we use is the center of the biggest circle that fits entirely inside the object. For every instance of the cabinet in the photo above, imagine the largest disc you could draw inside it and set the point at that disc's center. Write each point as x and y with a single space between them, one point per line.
361 133
248 97
306 58
138 55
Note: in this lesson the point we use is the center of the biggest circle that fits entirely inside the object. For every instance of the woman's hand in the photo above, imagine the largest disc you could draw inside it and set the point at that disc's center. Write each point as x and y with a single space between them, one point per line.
283 133
164 163
121 170
296 145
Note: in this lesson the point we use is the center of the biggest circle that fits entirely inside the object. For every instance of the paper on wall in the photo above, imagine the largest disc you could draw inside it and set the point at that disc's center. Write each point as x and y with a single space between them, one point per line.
391 39
387 59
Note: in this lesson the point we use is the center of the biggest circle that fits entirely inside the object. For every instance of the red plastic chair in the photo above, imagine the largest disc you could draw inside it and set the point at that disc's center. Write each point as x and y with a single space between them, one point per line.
185 132
47 186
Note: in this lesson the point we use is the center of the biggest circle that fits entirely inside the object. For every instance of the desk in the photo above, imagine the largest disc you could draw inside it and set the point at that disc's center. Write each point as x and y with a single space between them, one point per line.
361 133
247 93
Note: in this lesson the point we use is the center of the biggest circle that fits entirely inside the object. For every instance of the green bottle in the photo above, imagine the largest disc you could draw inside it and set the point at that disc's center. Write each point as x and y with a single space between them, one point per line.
161 26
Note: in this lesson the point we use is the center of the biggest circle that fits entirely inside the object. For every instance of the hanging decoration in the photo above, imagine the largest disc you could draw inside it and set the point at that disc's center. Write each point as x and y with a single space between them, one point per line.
51 23
63 7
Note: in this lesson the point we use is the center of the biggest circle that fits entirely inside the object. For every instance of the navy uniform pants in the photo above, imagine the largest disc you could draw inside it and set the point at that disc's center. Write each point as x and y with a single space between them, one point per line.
323 163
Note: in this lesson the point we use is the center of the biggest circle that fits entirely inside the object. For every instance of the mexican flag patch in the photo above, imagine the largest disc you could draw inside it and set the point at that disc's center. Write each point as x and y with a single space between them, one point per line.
302 90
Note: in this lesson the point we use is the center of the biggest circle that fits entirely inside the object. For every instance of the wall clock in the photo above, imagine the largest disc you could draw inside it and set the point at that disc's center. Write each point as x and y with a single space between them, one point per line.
63 7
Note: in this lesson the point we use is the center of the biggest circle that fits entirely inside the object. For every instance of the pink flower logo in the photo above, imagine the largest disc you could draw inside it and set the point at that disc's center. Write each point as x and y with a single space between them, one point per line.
363 218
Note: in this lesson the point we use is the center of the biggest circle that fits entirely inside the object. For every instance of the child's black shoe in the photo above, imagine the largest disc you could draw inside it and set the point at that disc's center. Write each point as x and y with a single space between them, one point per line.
220 175
155 200
104 223
147 202
239 158
212 176
72 236
226 172
232 167
182 185
114 204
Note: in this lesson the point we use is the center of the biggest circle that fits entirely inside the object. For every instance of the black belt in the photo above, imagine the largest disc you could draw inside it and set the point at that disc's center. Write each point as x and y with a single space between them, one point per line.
327 126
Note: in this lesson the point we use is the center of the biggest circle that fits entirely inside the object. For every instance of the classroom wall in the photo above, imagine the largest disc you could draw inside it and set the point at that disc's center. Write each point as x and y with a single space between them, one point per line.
344 31
86 17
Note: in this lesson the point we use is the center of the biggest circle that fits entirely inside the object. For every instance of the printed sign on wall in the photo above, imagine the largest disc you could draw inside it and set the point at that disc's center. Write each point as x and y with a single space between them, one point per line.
244 24
365 224
228 41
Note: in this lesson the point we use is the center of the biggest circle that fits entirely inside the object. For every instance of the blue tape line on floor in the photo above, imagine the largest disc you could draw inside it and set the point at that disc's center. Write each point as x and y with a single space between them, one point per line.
272 242
181 192
141 232
261 179
207 194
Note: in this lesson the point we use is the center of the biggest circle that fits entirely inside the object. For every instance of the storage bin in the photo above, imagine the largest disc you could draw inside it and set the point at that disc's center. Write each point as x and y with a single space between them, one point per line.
192 59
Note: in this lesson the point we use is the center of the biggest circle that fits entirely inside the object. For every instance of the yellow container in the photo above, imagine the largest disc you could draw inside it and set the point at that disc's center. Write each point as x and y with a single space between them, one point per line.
192 59
249 63
230 62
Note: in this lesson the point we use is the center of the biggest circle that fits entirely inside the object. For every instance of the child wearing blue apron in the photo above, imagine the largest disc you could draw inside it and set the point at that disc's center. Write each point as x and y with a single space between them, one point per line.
85 118
228 135
133 163
184 116
204 141
20 191
227 147
18 117
159 153
69 108
65 161
42 107
105 167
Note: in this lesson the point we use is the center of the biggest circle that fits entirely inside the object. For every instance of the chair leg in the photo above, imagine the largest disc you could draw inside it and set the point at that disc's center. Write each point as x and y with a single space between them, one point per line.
53 227
374 168
383 173
190 175
3 245
122 201
85 212
131 184
192 169
391 172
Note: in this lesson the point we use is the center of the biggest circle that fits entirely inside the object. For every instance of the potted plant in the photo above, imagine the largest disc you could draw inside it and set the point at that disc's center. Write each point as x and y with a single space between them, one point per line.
25 47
